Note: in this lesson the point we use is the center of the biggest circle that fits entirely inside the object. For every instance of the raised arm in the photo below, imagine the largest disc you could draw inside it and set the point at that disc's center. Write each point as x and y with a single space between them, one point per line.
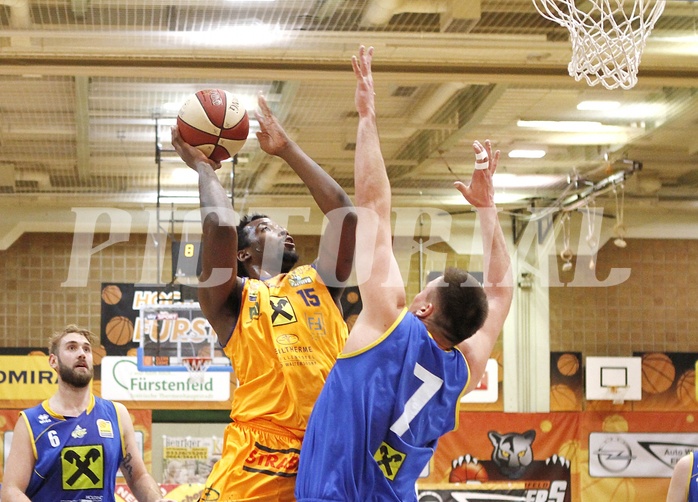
19 465
135 473
219 286
336 255
380 283
497 266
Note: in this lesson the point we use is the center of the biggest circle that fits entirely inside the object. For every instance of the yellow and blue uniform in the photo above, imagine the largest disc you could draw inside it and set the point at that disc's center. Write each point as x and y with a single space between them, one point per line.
288 335
76 457
378 419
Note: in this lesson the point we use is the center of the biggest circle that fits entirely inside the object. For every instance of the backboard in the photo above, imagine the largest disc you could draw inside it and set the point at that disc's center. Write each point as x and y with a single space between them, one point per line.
174 332
614 379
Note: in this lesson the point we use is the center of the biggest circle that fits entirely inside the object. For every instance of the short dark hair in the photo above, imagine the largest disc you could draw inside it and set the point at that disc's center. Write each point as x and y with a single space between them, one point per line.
243 238
462 305
55 339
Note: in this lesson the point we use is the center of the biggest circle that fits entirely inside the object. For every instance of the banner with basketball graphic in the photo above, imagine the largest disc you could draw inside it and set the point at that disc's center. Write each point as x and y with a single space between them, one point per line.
668 381
120 320
525 456
566 381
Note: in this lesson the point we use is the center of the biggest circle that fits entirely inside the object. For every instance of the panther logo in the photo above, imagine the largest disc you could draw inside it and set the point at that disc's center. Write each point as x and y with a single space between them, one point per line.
512 452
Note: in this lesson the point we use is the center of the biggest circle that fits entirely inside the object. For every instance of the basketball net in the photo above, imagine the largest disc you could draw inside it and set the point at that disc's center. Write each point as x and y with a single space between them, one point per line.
196 366
618 394
608 40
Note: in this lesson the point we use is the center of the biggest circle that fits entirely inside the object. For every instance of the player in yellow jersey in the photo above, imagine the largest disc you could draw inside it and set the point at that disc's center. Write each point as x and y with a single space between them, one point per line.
282 328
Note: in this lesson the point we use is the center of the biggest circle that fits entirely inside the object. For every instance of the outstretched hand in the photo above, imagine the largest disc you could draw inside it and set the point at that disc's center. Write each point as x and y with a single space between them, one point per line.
190 155
480 191
272 137
364 96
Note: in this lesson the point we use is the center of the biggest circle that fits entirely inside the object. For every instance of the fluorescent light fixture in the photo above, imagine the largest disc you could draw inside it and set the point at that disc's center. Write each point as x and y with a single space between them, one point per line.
184 175
522 153
171 106
256 34
513 181
569 126
184 201
593 105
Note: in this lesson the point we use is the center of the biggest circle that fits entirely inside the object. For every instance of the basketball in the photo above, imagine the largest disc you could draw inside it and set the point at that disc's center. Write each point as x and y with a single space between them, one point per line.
214 121
111 295
468 472
568 364
686 388
562 398
97 354
119 330
658 373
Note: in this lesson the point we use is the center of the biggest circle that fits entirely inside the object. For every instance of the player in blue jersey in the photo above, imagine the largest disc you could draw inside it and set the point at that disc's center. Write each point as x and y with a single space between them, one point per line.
684 481
396 386
69 447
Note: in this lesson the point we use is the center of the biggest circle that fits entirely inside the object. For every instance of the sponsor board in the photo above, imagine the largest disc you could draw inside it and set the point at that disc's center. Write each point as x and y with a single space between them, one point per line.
637 455
122 381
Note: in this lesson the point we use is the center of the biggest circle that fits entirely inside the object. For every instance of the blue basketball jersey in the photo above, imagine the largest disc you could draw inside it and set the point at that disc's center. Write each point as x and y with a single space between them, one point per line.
377 421
693 480
76 457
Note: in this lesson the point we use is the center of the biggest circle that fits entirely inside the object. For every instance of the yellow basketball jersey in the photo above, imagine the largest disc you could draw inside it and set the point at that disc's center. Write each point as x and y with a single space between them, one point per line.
287 338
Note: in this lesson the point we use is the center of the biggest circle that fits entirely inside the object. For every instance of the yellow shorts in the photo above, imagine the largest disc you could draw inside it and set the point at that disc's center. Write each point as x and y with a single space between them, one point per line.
255 465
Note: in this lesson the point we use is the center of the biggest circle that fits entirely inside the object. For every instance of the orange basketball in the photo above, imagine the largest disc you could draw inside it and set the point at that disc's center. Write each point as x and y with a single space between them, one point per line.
351 320
119 330
615 423
562 398
37 353
686 388
568 364
352 297
658 373
133 352
215 122
111 295
97 354
468 471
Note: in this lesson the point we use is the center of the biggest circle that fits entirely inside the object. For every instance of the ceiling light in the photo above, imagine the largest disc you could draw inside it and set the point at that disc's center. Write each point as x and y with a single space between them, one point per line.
569 126
184 175
522 153
593 105
254 34
513 181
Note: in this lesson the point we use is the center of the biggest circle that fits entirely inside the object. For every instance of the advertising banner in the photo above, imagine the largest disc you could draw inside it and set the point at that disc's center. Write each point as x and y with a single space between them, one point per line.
506 456
637 455
121 381
22 376
189 460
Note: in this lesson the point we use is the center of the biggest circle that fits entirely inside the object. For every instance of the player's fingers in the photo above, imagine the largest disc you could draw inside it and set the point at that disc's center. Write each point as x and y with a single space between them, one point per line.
355 66
482 159
263 105
461 187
